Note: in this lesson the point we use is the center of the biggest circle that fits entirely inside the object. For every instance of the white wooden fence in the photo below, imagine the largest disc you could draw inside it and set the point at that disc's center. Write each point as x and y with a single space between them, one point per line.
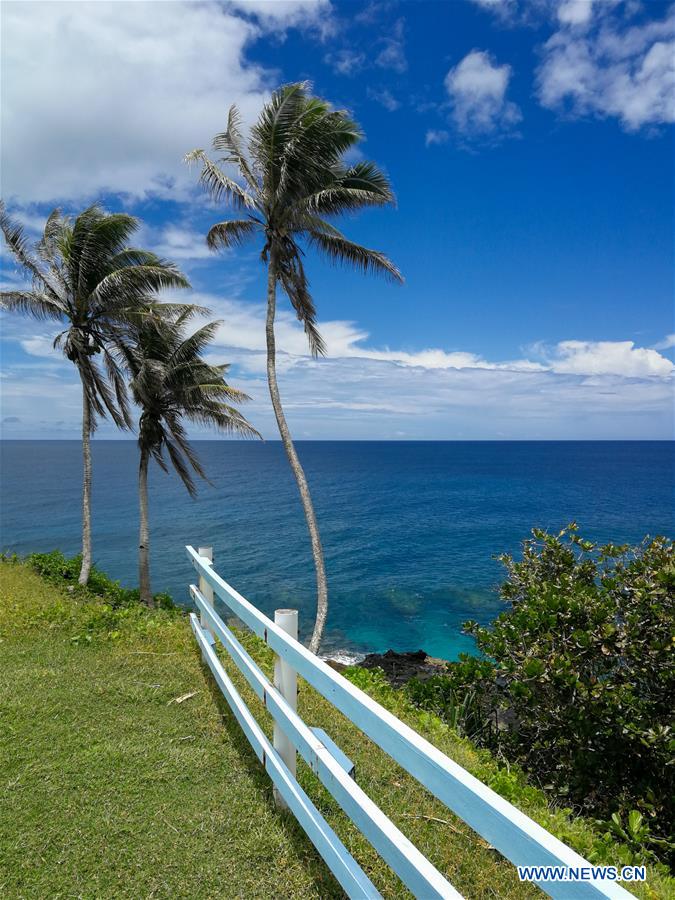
507 829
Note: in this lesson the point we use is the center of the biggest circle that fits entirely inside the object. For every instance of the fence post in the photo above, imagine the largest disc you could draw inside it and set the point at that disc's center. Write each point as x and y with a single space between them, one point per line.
286 682
206 590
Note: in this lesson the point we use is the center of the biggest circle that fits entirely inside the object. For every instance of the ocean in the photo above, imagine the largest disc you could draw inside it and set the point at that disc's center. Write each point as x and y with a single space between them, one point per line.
410 529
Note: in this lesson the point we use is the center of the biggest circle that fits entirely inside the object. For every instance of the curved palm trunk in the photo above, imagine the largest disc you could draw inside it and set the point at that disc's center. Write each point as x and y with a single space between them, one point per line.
86 487
144 533
298 472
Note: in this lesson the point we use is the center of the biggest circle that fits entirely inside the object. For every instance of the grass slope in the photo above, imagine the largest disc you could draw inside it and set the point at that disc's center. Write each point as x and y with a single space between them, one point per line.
110 788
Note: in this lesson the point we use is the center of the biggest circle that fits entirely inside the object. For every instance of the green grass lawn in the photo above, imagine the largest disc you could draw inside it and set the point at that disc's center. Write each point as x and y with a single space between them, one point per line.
110 788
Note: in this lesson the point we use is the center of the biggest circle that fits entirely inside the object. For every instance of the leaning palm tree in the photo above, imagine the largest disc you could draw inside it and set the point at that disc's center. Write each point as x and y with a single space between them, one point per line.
172 383
85 276
290 174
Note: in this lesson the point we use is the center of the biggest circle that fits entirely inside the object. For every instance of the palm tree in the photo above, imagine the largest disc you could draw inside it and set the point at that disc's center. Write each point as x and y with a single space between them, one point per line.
85 276
171 382
290 174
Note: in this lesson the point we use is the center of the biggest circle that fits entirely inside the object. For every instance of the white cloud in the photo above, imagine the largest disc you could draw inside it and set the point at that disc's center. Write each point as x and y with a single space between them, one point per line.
392 54
504 10
41 345
435 136
385 98
596 64
478 403
368 398
477 89
32 222
575 12
179 243
609 358
107 96
666 344
536 12
493 5
283 14
243 329
583 389
241 336
385 45
346 62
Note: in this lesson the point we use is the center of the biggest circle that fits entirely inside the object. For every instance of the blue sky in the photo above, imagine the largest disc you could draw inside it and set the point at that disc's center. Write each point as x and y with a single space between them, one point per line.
530 146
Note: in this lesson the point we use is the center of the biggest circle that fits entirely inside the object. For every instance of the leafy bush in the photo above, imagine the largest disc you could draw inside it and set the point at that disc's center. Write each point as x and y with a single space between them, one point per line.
599 842
101 611
452 698
577 682
58 569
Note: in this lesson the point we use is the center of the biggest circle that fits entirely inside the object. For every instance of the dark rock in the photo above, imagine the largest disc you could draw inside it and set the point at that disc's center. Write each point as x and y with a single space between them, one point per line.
334 664
399 668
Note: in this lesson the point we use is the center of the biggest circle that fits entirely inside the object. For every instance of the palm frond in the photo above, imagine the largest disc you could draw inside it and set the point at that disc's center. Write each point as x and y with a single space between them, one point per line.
103 395
47 247
307 221
340 250
366 176
361 186
313 158
107 238
218 184
131 285
231 142
190 348
334 201
274 129
230 233
116 379
223 417
171 382
133 256
180 313
19 246
176 456
214 391
291 274
73 242
164 311
31 303
156 452
96 391
296 160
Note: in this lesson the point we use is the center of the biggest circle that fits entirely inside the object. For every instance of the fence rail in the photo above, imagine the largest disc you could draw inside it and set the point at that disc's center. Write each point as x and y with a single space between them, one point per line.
517 837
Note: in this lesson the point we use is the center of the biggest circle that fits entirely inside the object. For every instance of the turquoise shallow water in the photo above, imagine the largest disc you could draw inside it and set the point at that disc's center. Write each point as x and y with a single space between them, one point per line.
410 529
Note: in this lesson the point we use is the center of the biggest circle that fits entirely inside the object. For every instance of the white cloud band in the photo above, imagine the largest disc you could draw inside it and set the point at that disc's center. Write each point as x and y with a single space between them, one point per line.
109 96
477 88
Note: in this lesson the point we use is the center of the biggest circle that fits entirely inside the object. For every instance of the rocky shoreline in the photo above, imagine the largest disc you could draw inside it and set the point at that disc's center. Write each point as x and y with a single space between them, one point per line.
399 668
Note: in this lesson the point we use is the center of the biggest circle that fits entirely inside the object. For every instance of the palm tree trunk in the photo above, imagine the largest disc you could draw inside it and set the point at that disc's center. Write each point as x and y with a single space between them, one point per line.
298 472
144 533
86 487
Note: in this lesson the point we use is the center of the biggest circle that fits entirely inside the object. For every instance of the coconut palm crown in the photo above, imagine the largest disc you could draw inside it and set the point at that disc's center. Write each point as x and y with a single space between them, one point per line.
85 276
292 174
291 177
171 383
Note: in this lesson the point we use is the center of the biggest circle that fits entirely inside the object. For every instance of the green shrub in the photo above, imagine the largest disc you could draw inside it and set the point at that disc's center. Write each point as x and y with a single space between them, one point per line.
100 612
577 680
601 843
58 569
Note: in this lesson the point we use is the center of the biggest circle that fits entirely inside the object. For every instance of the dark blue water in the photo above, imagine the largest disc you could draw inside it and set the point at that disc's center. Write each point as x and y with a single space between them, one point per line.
410 529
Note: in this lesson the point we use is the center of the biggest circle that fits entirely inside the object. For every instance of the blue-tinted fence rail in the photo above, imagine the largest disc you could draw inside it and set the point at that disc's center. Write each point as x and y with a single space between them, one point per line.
507 829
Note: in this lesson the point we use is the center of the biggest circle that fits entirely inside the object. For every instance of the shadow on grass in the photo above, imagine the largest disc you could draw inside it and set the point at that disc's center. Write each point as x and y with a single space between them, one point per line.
302 848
